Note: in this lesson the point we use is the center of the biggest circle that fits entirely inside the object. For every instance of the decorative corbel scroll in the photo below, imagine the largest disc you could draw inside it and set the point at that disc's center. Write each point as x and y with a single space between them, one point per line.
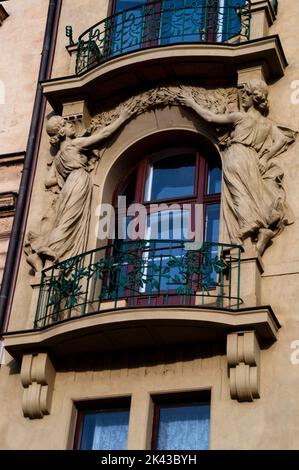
37 376
243 356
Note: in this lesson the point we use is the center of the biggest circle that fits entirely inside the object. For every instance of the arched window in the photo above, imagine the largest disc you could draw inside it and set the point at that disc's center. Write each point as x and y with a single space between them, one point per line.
175 194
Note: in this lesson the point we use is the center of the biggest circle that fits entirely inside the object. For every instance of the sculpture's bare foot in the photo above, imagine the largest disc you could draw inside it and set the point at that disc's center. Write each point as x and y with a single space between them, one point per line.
35 262
264 237
47 252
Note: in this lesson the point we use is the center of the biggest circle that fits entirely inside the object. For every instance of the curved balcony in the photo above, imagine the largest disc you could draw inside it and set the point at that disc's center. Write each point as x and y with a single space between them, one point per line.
163 23
140 274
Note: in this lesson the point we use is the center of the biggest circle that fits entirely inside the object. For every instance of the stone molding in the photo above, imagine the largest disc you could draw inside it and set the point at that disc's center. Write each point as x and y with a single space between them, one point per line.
243 348
243 357
37 377
262 18
240 330
115 76
8 201
117 329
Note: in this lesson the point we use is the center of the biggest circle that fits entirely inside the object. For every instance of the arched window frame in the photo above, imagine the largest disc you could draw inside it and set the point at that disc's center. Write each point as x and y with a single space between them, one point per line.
201 195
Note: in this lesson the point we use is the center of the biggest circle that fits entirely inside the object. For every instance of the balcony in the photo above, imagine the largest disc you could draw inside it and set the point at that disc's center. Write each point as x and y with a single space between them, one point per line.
163 23
140 274
141 294
167 41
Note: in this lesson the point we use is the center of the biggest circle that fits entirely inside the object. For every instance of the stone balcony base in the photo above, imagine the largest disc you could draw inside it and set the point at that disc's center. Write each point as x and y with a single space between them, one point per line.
242 332
200 61
142 327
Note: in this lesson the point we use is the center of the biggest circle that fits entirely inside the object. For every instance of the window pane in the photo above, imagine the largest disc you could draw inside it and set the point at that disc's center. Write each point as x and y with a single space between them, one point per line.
105 430
169 225
127 28
171 177
212 222
212 231
214 180
179 23
184 427
129 189
229 21
121 5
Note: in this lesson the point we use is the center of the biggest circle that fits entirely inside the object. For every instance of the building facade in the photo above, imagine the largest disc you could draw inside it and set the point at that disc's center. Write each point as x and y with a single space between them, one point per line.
156 285
19 64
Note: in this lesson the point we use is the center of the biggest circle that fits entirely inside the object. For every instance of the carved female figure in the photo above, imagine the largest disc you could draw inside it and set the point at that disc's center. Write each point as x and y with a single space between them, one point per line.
253 203
67 232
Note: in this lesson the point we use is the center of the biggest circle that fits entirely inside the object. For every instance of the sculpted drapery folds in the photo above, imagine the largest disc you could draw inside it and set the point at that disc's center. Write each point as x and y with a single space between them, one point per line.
64 232
254 202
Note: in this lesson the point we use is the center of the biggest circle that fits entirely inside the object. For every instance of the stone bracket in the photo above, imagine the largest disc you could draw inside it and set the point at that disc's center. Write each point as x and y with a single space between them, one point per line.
243 357
77 112
37 376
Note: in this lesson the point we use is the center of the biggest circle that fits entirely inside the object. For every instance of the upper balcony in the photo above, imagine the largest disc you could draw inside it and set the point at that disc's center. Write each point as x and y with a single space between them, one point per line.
163 23
169 40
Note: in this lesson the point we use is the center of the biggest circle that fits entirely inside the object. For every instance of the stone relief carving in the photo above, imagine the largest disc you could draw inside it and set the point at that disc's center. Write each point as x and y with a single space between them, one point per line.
64 231
220 100
254 202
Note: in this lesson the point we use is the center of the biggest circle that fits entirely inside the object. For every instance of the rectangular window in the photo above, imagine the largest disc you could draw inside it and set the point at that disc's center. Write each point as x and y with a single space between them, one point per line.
182 422
103 425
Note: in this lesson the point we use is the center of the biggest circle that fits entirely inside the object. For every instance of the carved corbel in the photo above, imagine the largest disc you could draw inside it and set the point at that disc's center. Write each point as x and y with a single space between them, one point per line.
78 113
37 376
243 356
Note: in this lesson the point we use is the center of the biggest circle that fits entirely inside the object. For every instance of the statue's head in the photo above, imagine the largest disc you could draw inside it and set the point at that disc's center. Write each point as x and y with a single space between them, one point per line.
58 128
255 93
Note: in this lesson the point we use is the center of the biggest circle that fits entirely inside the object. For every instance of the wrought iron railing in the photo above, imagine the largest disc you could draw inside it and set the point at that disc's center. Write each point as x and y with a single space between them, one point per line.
138 274
162 23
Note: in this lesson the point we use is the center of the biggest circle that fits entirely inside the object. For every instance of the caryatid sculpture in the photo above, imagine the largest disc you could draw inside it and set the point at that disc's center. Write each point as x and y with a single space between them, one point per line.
65 232
253 201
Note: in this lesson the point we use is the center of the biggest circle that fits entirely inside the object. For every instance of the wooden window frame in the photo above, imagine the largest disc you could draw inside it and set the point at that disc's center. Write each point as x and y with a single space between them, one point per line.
96 406
201 181
201 397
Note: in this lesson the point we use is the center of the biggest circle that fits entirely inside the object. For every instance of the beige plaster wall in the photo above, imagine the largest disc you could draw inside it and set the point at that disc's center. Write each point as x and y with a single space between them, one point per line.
271 422
10 176
21 39
268 423
80 14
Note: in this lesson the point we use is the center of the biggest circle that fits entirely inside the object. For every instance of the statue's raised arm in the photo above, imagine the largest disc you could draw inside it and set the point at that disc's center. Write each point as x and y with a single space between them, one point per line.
187 99
95 139
66 231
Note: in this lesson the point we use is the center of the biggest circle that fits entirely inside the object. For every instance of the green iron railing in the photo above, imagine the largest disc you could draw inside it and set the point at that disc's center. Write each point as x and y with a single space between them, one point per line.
162 23
275 5
137 274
